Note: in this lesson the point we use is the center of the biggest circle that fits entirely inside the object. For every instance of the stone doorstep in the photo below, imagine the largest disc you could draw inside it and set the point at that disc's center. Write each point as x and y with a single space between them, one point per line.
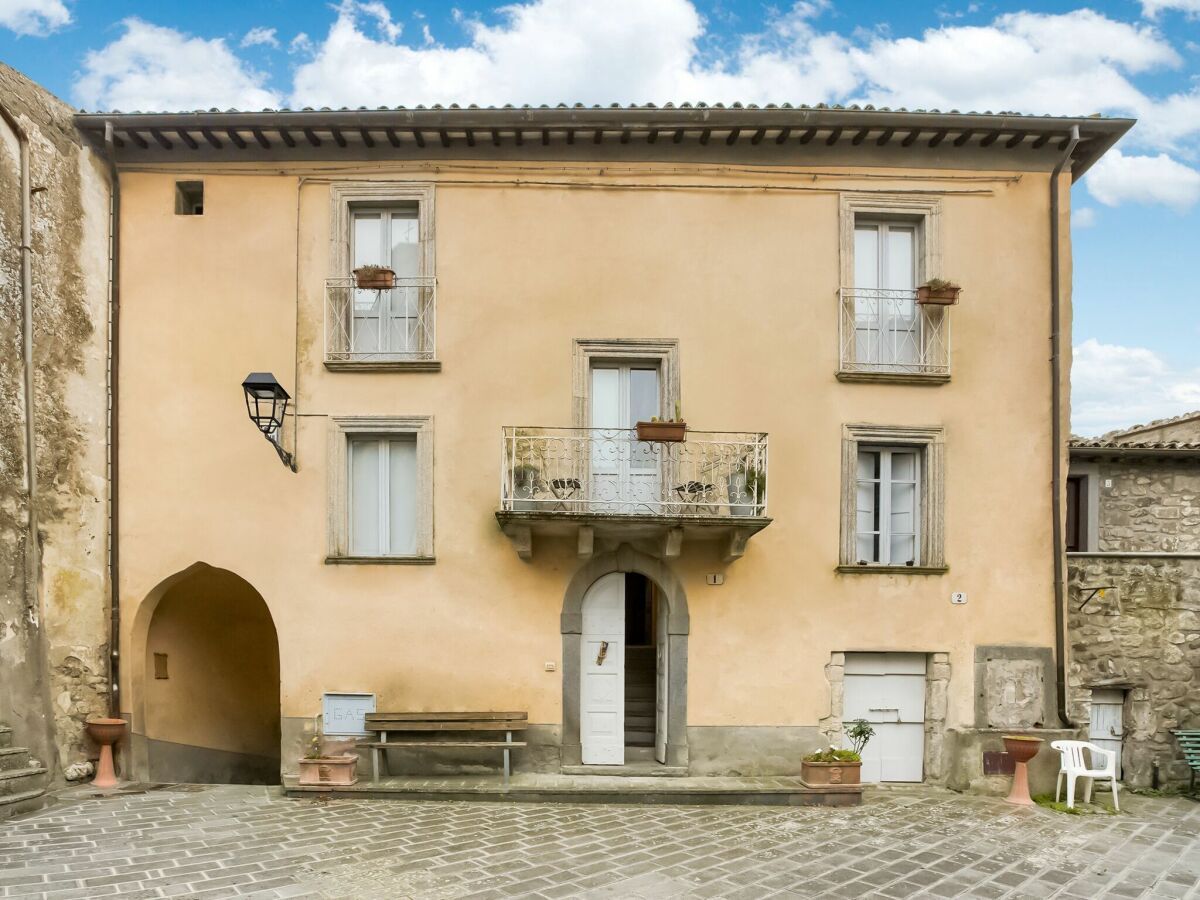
681 790
654 770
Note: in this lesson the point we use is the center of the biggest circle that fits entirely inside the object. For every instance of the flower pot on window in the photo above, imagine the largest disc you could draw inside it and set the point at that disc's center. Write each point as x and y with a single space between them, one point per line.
663 432
329 770
938 294
374 278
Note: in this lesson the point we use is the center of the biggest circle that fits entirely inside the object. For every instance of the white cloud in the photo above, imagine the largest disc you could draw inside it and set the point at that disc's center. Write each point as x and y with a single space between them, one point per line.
155 68
1083 217
1116 387
1118 179
260 36
1152 8
35 17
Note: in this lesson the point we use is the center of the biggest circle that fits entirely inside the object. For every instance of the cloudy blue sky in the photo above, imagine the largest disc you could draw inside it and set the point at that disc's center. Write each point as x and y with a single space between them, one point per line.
1137 213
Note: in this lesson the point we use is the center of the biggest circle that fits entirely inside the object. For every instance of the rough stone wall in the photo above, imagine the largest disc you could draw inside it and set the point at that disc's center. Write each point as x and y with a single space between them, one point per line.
1152 506
1143 636
54 657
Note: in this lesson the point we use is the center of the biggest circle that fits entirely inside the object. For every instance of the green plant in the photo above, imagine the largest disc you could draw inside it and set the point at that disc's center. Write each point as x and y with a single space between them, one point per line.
940 284
372 269
859 733
314 743
678 415
832 754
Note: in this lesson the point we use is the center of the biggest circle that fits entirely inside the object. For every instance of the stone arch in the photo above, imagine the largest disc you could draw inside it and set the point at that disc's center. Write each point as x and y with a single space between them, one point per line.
626 559
210 713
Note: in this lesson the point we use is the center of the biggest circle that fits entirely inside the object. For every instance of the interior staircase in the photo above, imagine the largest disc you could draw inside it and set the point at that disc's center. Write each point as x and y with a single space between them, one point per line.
22 780
639 696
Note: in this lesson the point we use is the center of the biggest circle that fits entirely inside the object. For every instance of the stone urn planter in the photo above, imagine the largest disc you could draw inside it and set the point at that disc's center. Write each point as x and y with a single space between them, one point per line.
821 774
332 771
106 733
1022 748
374 278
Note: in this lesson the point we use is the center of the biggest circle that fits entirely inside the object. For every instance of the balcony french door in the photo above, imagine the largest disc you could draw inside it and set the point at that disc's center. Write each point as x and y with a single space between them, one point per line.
887 323
386 323
626 472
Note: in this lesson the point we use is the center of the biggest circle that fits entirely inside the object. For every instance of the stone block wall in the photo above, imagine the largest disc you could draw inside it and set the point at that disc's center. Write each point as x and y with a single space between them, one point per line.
1142 636
1152 505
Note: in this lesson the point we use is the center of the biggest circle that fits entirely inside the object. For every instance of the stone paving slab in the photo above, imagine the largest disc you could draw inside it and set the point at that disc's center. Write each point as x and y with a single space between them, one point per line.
229 841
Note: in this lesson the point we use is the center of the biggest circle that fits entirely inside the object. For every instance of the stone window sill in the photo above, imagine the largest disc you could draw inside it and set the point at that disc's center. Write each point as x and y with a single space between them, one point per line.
380 560
892 570
893 378
390 365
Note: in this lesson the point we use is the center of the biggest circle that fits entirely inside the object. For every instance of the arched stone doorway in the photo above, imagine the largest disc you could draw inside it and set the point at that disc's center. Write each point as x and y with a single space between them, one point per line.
675 623
207 704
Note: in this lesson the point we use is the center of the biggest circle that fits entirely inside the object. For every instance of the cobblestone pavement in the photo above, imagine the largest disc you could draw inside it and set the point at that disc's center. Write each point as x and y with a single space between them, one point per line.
191 841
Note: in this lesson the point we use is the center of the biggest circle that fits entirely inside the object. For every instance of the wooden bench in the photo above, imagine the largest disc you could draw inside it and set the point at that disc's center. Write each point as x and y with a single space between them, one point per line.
1189 743
444 729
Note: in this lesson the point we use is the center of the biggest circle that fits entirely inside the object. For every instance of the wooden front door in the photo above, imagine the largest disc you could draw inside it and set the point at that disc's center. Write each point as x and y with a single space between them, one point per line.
602 669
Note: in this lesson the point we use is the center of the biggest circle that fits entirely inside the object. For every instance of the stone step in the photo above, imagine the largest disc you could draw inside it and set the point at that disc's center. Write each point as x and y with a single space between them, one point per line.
639 708
639 739
5 736
637 691
22 802
15 781
13 758
639 723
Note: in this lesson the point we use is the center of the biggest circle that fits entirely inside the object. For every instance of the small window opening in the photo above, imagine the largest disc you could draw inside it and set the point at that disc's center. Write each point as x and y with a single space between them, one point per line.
160 666
189 198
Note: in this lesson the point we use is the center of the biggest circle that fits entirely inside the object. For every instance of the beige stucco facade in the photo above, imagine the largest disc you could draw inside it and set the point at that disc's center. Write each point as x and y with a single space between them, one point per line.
738 264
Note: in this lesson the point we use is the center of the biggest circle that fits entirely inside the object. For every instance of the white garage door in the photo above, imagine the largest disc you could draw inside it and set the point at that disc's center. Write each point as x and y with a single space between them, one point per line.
888 690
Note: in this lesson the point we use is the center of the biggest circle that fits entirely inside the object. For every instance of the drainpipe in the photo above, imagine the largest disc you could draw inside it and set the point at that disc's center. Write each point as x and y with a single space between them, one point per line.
1056 438
114 359
31 544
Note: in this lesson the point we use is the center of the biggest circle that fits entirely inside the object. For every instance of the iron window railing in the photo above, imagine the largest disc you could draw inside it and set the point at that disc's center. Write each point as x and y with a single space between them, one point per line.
886 330
366 325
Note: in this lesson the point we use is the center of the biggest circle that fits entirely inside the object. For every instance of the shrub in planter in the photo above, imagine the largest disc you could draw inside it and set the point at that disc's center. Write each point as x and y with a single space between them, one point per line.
834 766
747 488
938 292
374 278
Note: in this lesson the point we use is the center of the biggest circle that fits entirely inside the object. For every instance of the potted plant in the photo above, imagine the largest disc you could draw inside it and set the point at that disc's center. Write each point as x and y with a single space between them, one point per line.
527 481
834 766
747 485
938 292
667 431
374 278
318 769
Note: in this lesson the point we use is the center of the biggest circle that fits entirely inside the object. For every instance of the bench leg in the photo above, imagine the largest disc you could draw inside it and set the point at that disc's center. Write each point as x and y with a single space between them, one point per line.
387 767
375 765
507 757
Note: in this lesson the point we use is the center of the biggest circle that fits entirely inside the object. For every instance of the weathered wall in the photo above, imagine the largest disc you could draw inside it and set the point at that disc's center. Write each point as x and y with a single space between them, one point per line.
1152 505
1144 636
54 662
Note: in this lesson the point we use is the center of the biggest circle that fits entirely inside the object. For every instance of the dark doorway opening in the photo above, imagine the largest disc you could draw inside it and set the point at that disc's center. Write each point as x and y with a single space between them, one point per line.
640 663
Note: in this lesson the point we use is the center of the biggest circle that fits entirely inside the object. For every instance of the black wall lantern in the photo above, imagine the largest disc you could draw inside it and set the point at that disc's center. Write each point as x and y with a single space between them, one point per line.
266 403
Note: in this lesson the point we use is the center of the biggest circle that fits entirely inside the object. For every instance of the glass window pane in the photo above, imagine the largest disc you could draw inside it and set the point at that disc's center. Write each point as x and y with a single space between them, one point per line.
606 398
901 257
904 466
405 243
402 487
643 396
868 548
866 256
868 464
364 498
368 241
902 548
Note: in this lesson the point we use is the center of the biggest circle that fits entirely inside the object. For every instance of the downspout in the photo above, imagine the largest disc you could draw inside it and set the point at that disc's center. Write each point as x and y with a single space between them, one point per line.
114 360
31 545
1056 438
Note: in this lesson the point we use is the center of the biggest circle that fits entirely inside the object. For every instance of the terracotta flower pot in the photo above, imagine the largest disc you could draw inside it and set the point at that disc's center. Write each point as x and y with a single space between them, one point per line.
825 773
329 770
928 296
664 432
375 279
106 733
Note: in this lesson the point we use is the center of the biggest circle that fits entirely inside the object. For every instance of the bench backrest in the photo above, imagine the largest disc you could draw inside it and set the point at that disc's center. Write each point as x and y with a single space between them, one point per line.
1189 743
447 721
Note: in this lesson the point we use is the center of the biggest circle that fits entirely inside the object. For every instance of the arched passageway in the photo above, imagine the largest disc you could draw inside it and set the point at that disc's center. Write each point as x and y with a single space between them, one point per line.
210 689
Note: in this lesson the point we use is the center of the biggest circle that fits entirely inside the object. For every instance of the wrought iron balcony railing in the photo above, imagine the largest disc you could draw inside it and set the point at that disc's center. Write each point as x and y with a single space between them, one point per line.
609 471
380 326
885 330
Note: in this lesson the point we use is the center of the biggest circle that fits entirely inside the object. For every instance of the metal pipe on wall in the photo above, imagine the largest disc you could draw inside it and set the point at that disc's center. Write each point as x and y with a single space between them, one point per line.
1056 436
114 359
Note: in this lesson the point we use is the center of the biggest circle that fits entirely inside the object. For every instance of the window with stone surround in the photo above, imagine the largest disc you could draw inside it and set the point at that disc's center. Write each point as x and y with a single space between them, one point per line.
892 499
381 489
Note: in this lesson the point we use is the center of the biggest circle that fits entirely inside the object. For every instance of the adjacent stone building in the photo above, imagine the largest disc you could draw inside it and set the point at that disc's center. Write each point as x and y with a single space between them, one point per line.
54 602
1133 542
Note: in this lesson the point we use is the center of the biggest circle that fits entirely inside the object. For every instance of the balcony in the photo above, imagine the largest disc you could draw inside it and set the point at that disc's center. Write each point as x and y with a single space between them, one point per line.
603 486
885 335
379 330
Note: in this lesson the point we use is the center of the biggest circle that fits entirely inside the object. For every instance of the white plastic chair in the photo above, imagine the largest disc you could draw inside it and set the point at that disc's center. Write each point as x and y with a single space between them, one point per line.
1074 765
